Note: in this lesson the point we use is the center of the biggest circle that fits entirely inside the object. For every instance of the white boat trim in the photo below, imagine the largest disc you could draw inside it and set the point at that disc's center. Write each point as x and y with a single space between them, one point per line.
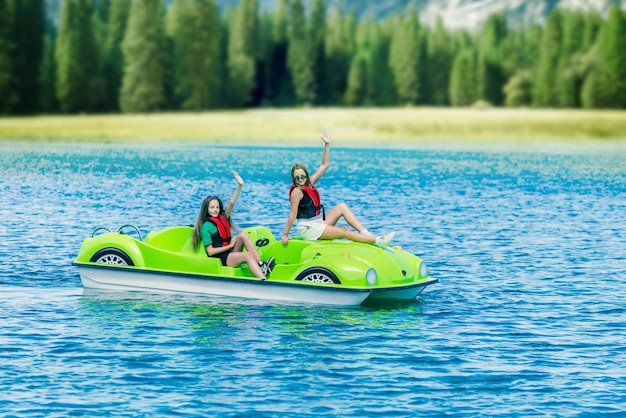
143 280
122 278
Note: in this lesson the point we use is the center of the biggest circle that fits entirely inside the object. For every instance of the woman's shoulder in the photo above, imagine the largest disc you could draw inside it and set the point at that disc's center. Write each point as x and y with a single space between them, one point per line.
208 226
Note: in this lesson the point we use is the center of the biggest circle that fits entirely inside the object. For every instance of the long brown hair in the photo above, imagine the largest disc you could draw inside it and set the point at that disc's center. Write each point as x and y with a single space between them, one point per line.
203 215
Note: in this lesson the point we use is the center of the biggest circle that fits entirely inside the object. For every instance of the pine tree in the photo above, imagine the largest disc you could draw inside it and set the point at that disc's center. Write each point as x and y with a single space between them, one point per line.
298 55
375 76
78 86
462 40
587 62
405 59
593 22
277 79
606 85
88 55
545 91
179 32
144 61
317 35
490 74
380 87
68 74
99 26
439 64
337 63
113 58
242 50
356 93
568 74
532 45
208 40
518 90
463 79
512 49
223 89
351 23
102 10
27 35
194 30
8 95
518 50
518 53
48 102
183 30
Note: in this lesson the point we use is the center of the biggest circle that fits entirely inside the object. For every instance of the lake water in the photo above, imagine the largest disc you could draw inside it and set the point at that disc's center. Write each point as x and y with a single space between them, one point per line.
528 317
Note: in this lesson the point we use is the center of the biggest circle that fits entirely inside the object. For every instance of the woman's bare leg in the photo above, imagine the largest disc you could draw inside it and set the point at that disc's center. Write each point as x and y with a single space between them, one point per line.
243 240
332 232
236 258
343 210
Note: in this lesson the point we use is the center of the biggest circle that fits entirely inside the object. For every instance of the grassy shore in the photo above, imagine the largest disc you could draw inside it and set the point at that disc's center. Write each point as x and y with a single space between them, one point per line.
366 126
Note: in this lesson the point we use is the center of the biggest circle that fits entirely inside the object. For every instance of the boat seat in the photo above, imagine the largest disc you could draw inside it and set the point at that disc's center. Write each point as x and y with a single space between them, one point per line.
171 239
188 247
261 236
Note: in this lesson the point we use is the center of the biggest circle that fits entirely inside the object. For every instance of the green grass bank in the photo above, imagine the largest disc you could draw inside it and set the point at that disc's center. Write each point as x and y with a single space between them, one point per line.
367 126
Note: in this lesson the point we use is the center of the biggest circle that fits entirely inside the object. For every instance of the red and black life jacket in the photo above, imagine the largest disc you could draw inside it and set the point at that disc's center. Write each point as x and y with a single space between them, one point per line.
310 205
222 237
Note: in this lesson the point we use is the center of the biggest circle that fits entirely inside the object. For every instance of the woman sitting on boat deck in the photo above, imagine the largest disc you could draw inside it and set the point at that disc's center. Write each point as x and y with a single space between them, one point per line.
213 228
306 208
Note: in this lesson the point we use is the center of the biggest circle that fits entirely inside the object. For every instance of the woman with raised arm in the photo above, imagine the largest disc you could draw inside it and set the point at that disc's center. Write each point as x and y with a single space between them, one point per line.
306 208
213 228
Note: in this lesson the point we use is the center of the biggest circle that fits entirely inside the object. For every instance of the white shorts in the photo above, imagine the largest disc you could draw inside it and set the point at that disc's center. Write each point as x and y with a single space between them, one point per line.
311 229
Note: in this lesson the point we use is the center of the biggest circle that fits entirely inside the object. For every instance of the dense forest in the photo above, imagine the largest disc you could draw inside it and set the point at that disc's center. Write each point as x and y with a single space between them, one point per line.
141 56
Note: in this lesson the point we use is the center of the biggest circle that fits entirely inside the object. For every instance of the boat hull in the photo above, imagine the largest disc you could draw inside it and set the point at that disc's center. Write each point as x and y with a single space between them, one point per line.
127 279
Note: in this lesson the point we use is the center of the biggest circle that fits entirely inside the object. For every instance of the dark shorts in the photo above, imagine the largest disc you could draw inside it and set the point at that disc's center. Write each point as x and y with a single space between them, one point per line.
223 256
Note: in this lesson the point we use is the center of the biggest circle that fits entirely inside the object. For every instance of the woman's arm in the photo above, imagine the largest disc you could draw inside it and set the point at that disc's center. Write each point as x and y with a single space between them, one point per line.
211 250
235 196
325 158
294 200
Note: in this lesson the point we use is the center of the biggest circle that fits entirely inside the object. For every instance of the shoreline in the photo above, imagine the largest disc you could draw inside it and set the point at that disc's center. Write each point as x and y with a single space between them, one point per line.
407 127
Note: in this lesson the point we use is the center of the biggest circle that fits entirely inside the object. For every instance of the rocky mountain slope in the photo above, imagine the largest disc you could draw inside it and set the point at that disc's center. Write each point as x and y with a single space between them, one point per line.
469 14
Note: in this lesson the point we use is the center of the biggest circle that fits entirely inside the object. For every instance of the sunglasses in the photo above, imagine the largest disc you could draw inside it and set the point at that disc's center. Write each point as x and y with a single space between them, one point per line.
300 177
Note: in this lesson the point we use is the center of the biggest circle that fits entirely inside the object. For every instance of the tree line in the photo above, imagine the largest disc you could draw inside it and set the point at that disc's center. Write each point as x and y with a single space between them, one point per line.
141 56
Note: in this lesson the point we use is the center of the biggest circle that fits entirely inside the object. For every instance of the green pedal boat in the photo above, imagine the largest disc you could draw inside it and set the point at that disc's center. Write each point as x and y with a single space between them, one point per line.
336 272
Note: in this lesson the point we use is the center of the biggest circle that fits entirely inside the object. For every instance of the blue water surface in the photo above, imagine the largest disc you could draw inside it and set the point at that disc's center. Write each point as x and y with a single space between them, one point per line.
527 318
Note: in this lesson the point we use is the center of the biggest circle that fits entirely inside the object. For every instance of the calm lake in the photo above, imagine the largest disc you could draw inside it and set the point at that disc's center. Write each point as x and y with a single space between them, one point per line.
528 317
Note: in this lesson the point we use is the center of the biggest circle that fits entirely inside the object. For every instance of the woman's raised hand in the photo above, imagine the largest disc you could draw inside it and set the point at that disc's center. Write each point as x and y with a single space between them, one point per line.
238 178
325 136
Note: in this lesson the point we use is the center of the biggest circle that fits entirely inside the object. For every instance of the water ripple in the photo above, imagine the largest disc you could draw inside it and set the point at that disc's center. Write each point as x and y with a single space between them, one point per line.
527 319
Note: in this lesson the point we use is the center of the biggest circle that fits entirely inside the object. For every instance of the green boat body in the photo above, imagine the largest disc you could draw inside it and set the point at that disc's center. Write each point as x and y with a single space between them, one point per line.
168 256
